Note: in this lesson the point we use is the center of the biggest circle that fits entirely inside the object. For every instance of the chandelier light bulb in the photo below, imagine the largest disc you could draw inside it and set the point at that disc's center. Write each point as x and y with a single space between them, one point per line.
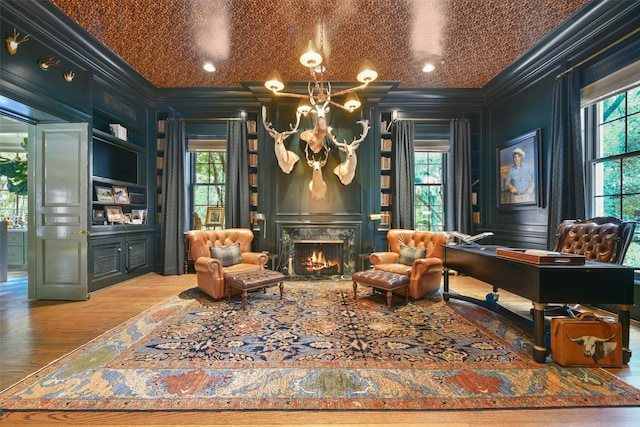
274 81
352 102
304 107
367 72
311 58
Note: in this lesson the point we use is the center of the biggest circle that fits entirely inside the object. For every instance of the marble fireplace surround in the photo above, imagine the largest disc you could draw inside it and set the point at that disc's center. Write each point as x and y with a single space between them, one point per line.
289 232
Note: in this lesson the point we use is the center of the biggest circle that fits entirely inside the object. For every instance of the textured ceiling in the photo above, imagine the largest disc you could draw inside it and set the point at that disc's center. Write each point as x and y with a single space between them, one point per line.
469 41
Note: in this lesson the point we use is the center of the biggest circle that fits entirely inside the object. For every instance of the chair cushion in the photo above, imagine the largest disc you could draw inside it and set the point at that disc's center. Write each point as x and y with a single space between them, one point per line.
228 255
408 255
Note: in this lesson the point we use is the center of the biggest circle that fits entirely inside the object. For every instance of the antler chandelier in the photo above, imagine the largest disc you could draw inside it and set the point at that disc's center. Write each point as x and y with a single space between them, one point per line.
319 91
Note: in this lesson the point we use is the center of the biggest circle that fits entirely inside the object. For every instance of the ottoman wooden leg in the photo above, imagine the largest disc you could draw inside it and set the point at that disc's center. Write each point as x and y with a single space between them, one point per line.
389 296
244 299
281 286
355 290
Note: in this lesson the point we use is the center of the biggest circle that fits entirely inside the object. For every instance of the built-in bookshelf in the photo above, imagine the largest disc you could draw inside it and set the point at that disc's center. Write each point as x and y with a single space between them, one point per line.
252 150
160 144
386 171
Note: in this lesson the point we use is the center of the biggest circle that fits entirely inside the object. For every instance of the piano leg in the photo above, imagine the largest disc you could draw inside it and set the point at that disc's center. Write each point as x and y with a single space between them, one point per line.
624 319
540 350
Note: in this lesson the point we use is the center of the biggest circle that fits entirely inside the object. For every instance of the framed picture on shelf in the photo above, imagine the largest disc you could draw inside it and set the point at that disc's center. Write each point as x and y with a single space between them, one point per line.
104 194
127 218
97 213
215 215
519 172
120 195
114 214
138 216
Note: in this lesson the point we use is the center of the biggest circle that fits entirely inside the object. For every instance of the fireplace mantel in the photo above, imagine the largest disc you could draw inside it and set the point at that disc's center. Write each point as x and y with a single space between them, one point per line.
290 232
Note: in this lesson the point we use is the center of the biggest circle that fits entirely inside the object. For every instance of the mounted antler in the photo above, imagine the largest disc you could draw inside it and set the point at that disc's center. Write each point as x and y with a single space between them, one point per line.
317 186
347 169
13 42
286 159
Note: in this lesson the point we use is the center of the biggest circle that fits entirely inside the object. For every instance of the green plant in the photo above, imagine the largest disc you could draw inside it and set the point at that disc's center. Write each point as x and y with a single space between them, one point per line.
15 170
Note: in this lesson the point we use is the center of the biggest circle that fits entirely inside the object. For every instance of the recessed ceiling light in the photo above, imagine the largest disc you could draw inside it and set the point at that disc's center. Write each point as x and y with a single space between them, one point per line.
428 68
208 66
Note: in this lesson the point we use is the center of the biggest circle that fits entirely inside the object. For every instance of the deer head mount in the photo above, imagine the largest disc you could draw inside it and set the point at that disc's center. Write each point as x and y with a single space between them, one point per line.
286 159
347 169
317 186
13 42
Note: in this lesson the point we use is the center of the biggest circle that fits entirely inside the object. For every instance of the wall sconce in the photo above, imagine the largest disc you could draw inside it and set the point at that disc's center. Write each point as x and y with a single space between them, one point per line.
44 65
262 217
13 42
68 76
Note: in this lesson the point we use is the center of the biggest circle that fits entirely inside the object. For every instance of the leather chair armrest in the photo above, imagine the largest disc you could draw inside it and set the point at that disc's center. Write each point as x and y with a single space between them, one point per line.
209 265
257 258
423 265
383 258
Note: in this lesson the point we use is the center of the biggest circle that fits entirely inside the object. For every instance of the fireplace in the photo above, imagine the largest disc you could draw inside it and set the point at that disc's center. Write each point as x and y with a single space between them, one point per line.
318 257
334 245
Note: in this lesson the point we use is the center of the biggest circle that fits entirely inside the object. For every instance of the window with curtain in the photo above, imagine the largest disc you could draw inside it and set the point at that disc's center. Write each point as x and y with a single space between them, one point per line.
208 186
612 126
429 191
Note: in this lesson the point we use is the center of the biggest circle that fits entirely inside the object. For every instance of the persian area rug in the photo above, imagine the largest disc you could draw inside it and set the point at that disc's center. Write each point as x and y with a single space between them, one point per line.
316 349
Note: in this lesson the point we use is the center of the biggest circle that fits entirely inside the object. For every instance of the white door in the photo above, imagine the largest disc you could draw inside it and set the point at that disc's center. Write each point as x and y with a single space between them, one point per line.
58 212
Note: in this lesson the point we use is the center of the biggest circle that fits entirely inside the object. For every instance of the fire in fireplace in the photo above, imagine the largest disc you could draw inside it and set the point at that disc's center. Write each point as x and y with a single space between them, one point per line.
318 257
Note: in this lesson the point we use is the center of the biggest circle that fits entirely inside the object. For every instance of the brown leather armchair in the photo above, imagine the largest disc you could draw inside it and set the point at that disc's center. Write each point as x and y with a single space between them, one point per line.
425 274
210 271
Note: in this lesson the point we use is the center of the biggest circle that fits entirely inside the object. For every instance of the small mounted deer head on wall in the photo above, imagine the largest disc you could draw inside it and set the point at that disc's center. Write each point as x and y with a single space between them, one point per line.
317 186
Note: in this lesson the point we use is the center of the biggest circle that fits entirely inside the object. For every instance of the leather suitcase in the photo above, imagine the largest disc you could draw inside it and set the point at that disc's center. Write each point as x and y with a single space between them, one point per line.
586 340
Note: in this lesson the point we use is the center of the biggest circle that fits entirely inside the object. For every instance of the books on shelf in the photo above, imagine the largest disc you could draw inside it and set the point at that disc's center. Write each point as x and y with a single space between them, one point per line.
160 144
253 159
252 126
385 163
253 144
253 179
161 126
253 199
385 182
385 144
385 199
476 217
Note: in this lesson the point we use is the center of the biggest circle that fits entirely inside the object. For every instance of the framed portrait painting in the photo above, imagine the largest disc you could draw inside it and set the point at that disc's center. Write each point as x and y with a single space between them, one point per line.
215 216
519 172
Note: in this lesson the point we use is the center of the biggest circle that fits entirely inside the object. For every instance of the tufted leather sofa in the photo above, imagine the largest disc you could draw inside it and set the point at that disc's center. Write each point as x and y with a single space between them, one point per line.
210 272
601 239
425 275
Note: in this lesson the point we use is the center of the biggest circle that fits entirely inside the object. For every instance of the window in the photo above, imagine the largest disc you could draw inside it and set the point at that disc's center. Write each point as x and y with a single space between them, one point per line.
429 195
12 206
209 182
615 164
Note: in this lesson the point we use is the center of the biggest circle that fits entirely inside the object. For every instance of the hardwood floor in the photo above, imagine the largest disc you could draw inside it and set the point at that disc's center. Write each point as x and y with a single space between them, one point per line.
34 333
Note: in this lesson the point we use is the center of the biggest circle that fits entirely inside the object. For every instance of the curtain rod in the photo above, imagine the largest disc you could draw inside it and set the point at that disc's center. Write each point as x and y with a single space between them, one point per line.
598 53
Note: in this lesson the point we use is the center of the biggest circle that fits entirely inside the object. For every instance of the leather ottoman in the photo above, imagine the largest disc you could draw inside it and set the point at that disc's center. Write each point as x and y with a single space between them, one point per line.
380 279
250 280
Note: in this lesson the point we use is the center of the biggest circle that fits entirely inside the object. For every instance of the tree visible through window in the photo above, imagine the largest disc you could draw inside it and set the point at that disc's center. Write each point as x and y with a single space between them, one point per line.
616 163
429 198
209 183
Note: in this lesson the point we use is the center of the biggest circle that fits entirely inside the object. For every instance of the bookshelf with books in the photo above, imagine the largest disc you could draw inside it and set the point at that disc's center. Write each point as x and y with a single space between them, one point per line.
252 156
160 144
386 171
